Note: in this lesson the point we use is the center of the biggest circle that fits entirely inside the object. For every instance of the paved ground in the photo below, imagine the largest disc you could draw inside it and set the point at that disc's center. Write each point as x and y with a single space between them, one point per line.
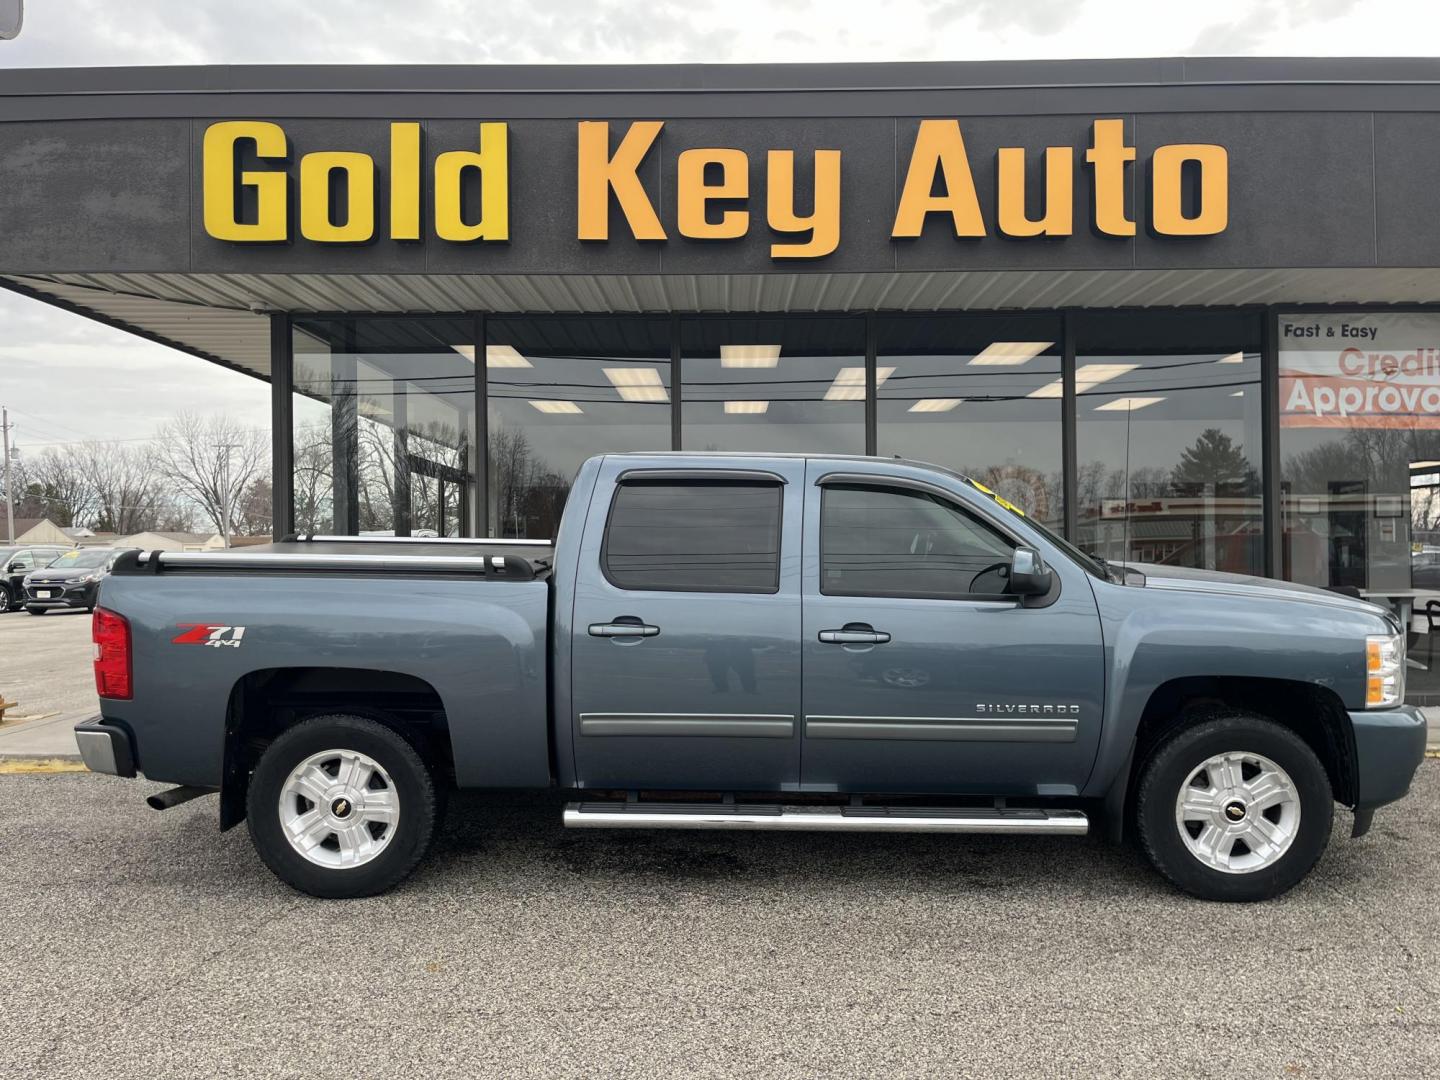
139 944
45 666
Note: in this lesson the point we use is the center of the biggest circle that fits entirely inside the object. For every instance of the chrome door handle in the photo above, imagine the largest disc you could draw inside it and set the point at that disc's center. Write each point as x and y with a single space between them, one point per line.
622 629
854 637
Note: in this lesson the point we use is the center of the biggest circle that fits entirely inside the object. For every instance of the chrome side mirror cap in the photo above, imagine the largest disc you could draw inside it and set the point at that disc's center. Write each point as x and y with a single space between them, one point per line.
1029 576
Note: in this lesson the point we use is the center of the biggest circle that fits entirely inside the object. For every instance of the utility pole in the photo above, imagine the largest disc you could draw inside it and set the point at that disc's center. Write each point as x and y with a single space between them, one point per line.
225 494
9 491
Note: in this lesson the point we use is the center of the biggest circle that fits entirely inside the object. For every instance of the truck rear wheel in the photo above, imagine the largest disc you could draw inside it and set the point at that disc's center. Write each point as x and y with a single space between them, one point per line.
1234 807
342 806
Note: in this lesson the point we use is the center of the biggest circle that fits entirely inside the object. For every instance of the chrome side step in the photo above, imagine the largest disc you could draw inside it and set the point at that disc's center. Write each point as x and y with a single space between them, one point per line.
754 816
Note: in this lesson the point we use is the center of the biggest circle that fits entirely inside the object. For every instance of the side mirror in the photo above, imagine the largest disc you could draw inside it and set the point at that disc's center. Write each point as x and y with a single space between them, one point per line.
15 568
1029 576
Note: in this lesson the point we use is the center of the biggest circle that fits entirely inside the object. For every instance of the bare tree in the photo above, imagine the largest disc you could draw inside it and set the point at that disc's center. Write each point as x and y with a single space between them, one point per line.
56 484
314 491
128 496
212 461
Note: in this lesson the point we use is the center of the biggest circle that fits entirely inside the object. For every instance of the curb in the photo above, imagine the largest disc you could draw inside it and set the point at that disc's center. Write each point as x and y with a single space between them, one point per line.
20 766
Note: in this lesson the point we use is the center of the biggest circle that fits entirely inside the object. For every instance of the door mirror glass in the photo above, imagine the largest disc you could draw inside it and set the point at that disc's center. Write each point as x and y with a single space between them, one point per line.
1029 576
16 566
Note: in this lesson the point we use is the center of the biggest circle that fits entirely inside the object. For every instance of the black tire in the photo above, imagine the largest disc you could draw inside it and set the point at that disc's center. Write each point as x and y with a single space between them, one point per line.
7 603
419 796
1171 763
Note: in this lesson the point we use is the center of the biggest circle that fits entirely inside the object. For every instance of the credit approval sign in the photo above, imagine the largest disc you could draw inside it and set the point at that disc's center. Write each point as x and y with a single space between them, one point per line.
1360 370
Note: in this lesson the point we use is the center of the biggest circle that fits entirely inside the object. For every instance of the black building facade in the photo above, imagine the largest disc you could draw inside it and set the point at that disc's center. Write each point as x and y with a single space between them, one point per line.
1184 311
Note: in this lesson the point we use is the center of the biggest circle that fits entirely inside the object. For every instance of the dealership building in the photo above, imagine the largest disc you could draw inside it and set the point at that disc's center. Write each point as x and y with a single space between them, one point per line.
1183 311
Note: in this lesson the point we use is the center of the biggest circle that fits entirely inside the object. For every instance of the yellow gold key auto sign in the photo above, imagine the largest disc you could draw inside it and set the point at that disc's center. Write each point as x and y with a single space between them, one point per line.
338 190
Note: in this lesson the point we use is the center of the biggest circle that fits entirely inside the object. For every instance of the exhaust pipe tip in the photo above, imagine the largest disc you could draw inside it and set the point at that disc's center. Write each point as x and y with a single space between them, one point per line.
164 800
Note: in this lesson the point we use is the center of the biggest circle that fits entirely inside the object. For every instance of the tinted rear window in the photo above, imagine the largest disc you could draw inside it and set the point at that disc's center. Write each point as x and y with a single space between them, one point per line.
694 536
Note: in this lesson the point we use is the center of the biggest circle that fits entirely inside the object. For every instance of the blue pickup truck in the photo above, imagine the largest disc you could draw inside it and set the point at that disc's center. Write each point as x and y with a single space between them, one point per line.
753 642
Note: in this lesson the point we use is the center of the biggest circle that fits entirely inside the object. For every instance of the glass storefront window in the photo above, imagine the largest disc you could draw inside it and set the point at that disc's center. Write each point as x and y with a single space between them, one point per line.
978 394
384 427
559 390
786 385
1169 439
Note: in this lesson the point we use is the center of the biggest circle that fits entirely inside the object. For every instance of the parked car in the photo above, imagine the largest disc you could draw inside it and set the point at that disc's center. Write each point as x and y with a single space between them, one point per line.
71 581
789 643
15 563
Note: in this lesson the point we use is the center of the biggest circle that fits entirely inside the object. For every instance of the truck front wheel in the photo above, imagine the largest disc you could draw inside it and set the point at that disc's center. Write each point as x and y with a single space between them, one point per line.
1234 807
342 806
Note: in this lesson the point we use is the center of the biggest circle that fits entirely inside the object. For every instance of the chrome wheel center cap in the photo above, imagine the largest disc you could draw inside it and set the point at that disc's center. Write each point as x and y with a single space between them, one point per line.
341 807
1235 811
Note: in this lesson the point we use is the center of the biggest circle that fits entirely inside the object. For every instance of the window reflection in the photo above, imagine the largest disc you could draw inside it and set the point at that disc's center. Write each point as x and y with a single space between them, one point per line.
976 394
384 427
1168 413
559 391
792 385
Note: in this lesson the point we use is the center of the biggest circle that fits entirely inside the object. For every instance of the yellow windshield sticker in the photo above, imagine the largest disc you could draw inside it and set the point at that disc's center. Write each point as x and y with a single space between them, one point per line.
1006 503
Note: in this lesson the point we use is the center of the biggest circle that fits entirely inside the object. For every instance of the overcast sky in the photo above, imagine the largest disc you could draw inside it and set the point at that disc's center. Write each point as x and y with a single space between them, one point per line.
66 378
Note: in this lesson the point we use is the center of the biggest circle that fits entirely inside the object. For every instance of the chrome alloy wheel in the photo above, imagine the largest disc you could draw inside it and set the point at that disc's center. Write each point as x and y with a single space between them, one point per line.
1238 812
339 809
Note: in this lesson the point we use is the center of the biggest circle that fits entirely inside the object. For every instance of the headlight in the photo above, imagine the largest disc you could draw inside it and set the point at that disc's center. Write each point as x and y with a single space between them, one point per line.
1384 670
25 582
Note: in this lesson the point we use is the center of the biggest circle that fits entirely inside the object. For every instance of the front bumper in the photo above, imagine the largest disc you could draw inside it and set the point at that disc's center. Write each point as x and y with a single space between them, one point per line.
105 747
65 596
1389 747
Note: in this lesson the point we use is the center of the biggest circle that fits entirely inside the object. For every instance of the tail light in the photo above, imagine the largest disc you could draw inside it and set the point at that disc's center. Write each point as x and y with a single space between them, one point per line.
111 634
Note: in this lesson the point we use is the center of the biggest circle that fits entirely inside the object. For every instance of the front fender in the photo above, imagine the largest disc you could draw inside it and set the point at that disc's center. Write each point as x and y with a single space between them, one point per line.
1154 636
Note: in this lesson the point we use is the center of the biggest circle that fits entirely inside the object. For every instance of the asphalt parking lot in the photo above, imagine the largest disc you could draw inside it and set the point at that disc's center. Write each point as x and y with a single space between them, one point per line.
144 944
45 663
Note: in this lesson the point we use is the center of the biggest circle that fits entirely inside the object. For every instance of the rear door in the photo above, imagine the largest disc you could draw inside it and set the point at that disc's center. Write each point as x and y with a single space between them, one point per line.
921 675
685 660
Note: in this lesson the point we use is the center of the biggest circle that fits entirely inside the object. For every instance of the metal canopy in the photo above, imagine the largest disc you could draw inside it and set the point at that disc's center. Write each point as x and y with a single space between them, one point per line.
223 317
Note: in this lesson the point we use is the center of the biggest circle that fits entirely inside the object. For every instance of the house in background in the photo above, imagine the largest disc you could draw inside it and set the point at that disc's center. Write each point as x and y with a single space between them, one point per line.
40 531
172 541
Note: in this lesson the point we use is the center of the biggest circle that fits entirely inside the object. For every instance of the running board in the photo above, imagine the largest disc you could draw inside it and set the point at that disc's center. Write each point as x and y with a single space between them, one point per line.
755 816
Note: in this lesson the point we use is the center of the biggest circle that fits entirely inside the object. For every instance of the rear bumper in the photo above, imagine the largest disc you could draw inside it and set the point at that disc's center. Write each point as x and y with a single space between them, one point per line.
105 748
1389 746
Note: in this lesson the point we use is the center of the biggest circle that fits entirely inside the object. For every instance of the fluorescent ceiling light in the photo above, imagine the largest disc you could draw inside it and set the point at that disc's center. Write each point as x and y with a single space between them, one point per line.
746 406
751 356
849 384
1233 358
1423 464
1087 376
637 384
1127 404
1238 393
1009 353
935 404
496 356
567 407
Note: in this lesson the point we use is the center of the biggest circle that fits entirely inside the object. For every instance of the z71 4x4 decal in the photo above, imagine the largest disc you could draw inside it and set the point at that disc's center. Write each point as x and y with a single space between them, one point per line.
209 634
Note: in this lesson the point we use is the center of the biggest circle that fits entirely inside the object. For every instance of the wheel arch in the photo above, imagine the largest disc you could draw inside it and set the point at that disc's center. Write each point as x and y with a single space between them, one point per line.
267 701
1315 713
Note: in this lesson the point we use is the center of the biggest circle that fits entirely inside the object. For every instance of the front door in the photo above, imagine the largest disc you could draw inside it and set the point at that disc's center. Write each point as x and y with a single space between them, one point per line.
685 661
920 674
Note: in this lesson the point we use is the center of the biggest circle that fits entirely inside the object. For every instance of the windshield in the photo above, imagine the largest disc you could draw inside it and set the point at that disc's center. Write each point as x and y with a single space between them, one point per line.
81 560
1089 562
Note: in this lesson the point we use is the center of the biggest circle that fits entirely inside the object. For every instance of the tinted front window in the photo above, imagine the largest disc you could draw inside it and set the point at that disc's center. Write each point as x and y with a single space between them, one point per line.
695 537
896 542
